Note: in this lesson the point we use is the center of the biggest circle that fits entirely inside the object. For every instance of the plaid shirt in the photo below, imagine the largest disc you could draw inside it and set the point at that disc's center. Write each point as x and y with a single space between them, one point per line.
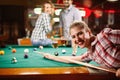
105 49
42 27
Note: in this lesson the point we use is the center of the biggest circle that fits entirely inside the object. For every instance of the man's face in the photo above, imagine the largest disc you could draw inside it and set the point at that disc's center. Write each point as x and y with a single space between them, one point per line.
67 3
80 37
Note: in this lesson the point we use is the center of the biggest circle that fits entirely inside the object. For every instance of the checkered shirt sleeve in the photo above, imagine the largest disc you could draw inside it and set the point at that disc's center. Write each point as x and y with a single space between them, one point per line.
42 27
106 51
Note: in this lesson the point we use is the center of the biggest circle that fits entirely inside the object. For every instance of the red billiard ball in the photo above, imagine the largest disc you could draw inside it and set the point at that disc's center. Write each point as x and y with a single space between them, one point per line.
13 50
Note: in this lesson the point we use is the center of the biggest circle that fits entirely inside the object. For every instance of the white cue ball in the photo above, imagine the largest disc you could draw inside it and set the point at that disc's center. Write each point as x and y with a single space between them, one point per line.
63 51
26 50
41 47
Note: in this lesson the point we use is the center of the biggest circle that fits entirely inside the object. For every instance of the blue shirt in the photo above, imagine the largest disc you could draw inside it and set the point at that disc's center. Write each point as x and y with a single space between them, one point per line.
67 17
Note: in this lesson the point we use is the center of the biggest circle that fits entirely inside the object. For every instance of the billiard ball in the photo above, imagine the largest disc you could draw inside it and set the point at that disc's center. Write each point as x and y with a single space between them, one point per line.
2 52
14 60
73 55
10 48
35 49
56 53
13 50
26 50
26 56
63 51
41 47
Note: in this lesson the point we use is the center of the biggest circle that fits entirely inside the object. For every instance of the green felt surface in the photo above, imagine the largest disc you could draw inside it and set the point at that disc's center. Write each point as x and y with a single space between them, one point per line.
35 60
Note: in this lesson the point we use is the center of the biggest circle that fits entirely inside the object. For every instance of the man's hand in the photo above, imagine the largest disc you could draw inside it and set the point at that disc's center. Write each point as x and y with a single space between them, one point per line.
48 56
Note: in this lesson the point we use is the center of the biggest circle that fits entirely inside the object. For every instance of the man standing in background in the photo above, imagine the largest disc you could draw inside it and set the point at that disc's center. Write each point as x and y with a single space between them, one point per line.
67 16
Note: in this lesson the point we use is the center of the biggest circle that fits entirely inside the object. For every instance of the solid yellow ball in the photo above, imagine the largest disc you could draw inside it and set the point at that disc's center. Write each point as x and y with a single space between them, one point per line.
2 52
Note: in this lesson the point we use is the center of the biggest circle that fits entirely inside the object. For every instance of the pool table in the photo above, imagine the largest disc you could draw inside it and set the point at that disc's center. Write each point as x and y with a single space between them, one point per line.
35 67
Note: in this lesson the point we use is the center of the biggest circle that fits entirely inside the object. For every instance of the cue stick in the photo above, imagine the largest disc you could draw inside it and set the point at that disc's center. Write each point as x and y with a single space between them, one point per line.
91 66
83 63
